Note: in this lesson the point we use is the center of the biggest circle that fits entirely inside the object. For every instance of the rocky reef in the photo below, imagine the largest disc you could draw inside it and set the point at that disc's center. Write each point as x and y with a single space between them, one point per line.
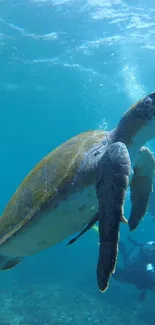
52 304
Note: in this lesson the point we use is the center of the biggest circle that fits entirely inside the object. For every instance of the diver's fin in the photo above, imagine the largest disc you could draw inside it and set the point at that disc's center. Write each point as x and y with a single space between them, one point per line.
122 250
134 242
142 296
10 264
141 186
95 227
88 226
111 185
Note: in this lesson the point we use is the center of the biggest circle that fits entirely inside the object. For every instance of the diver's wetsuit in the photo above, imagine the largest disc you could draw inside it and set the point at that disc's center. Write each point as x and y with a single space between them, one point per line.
139 266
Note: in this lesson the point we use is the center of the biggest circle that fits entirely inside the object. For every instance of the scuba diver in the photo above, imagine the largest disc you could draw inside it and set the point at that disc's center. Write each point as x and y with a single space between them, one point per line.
139 262
139 266
151 207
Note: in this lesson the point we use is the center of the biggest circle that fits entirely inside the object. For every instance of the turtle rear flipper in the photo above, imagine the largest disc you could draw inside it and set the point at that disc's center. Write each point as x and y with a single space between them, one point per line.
141 186
8 264
111 184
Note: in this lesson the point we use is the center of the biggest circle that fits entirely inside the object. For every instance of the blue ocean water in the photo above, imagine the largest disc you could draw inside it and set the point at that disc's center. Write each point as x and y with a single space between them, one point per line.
67 67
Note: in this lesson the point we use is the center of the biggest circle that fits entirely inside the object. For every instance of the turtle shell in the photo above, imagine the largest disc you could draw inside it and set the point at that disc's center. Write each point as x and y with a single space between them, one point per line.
42 211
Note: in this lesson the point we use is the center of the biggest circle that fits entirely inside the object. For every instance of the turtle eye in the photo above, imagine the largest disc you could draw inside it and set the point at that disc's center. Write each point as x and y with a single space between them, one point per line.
148 101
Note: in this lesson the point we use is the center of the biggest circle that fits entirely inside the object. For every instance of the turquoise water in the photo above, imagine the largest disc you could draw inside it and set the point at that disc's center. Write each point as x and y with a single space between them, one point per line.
68 67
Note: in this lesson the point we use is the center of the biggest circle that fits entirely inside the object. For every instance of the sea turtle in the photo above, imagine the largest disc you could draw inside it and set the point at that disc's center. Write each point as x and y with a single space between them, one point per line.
82 181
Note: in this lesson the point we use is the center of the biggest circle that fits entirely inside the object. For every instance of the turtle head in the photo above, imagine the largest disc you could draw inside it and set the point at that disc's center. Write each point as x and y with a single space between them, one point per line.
144 109
137 126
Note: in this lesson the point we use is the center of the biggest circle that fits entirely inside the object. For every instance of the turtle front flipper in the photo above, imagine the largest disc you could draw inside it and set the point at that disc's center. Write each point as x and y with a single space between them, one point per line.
111 184
141 186
87 227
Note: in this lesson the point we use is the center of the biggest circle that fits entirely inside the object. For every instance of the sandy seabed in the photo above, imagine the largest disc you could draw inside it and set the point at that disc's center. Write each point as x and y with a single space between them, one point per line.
52 304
